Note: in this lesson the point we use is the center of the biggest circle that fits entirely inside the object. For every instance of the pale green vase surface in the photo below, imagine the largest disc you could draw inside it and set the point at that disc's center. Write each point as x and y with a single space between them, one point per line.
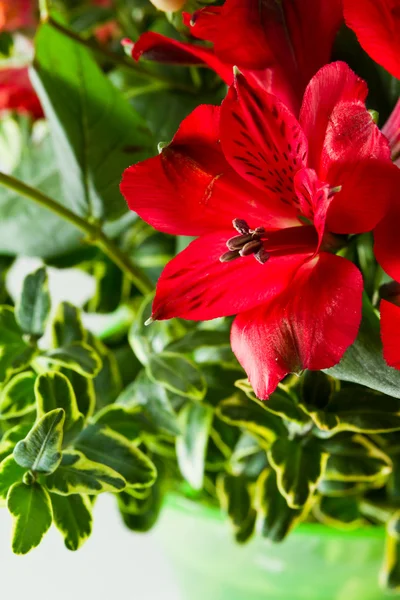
314 563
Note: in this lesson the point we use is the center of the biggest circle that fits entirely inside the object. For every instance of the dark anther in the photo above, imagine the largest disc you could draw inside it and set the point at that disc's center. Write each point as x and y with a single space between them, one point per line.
241 226
237 242
228 256
250 241
251 247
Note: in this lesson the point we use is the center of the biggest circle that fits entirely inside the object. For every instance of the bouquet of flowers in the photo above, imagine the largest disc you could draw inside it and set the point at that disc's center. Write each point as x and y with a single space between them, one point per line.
238 342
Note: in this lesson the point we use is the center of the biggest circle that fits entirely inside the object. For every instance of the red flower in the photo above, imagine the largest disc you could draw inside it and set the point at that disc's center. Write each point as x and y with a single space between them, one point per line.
17 93
377 26
16 14
287 186
293 38
392 131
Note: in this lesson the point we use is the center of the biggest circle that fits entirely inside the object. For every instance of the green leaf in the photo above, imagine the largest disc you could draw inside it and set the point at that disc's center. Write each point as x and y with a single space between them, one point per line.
342 513
199 338
363 362
390 572
10 473
53 390
299 466
107 382
15 354
79 475
77 356
27 229
11 437
235 499
84 391
40 451
152 398
33 308
94 129
360 410
72 516
195 422
129 423
279 403
17 397
148 509
276 517
249 415
30 508
355 458
101 444
67 326
177 374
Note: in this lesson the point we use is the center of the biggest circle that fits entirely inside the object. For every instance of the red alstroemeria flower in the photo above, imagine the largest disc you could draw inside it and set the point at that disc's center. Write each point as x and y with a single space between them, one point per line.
288 186
285 42
377 26
16 14
392 131
17 93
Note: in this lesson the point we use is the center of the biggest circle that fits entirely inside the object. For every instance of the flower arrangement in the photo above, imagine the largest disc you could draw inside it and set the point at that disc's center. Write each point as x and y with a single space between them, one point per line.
240 345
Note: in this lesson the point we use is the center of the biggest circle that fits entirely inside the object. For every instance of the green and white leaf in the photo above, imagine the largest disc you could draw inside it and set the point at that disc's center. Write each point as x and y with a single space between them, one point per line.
72 515
17 397
15 354
40 451
67 326
33 308
195 423
77 356
177 374
10 473
30 507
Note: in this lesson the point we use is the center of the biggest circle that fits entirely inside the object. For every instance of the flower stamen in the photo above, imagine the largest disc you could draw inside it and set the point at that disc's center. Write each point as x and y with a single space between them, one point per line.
249 241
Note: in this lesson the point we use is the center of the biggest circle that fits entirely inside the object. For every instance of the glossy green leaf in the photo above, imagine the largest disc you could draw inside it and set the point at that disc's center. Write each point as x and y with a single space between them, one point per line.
17 398
40 451
67 326
299 466
177 374
15 354
94 129
153 399
30 507
33 308
195 422
53 390
10 473
276 517
249 415
72 516
363 362
101 444
77 356
79 475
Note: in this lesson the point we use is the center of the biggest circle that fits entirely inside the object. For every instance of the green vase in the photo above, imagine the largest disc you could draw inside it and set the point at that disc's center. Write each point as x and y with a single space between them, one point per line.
314 563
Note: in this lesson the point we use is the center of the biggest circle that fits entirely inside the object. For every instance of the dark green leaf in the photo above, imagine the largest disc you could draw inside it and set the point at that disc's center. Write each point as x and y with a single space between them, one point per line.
10 473
101 444
40 451
299 465
94 128
342 513
145 519
177 374
17 398
30 508
235 499
73 518
107 382
77 356
33 308
195 422
79 475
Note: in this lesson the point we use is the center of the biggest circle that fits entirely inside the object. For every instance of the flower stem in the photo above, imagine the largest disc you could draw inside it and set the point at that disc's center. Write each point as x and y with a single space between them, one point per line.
93 232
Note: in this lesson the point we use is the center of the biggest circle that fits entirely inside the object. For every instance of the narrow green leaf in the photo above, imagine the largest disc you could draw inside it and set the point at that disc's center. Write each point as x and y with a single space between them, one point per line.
363 362
77 356
30 508
72 516
277 518
79 475
177 374
101 444
33 308
17 397
195 422
94 129
153 399
40 451
10 473
299 467
67 326
53 390
15 354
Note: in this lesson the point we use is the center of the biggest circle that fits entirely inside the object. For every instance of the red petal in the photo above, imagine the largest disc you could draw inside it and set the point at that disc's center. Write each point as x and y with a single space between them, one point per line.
301 329
332 84
391 129
314 199
390 332
377 26
190 189
156 47
368 188
387 241
196 285
262 140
